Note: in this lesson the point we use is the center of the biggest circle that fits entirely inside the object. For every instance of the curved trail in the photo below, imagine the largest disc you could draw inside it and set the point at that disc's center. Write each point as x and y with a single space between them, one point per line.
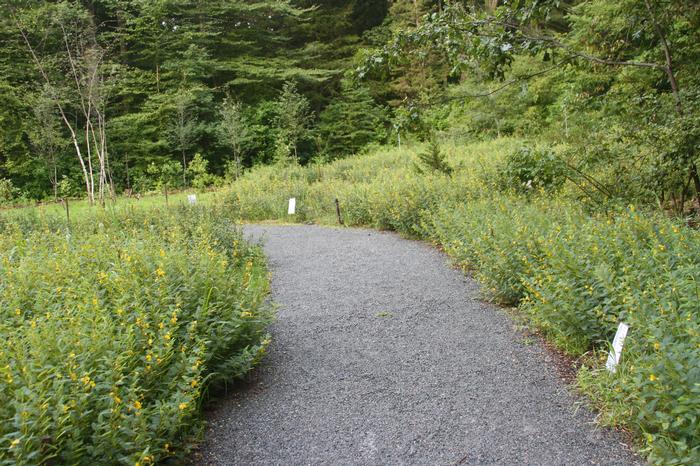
383 354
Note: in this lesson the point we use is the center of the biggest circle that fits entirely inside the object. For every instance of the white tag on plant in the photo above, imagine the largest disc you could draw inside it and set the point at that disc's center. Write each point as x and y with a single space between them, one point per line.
292 206
616 351
192 199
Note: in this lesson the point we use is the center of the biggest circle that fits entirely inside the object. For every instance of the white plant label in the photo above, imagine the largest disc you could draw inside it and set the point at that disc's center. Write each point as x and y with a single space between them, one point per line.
616 351
192 199
292 206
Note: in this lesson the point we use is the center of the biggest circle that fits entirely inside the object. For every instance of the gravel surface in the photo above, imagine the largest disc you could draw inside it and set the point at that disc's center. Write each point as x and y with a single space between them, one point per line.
384 354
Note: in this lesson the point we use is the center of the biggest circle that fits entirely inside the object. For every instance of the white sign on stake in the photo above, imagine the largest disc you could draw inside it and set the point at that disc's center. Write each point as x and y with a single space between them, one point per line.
616 351
292 206
192 199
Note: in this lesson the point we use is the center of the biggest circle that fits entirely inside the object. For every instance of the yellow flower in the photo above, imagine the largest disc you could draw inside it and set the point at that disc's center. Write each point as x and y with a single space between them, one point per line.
18 312
657 346
160 272
652 378
14 443
162 253
246 314
182 406
137 404
167 337
194 383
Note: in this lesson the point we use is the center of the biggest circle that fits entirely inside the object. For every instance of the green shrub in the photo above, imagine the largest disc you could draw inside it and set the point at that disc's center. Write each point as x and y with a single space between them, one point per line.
433 159
113 331
7 191
532 169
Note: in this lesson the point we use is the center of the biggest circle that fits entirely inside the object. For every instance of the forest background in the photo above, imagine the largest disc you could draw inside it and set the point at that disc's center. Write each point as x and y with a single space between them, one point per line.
105 97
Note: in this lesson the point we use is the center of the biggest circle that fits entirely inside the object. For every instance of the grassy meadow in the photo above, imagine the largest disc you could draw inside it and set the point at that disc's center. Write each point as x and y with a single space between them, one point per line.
573 268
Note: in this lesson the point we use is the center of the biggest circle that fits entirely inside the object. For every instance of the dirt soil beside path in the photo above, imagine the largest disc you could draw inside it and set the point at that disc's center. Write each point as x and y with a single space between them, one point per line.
384 354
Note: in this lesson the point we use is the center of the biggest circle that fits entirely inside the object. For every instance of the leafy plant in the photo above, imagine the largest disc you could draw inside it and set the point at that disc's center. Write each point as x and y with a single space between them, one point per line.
113 334
531 169
7 190
433 159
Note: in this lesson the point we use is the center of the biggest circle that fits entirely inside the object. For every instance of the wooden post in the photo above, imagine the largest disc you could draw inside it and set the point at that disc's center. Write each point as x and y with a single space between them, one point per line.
337 211
65 202
165 190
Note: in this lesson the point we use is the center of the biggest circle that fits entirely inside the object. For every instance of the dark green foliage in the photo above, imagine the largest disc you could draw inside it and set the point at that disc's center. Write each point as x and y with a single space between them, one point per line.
532 169
616 74
154 53
433 159
350 122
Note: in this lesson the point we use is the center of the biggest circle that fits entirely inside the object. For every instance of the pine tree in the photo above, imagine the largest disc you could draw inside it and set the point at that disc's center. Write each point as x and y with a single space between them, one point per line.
433 159
351 121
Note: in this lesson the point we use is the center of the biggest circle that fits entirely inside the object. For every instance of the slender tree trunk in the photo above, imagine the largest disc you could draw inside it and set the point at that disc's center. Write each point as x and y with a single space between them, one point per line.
64 117
184 169
126 167
54 180
237 161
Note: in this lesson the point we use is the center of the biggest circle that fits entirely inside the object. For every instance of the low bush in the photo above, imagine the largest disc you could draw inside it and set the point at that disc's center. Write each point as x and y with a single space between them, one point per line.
113 329
532 169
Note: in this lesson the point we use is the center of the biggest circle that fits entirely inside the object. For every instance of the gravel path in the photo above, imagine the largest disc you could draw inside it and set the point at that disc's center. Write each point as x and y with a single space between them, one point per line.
383 354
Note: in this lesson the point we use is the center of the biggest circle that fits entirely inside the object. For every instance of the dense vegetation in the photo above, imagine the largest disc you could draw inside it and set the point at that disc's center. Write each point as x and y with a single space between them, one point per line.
115 328
550 146
127 86
108 96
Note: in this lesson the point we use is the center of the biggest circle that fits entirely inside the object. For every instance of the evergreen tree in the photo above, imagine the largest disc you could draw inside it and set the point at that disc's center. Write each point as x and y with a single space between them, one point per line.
351 121
433 159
